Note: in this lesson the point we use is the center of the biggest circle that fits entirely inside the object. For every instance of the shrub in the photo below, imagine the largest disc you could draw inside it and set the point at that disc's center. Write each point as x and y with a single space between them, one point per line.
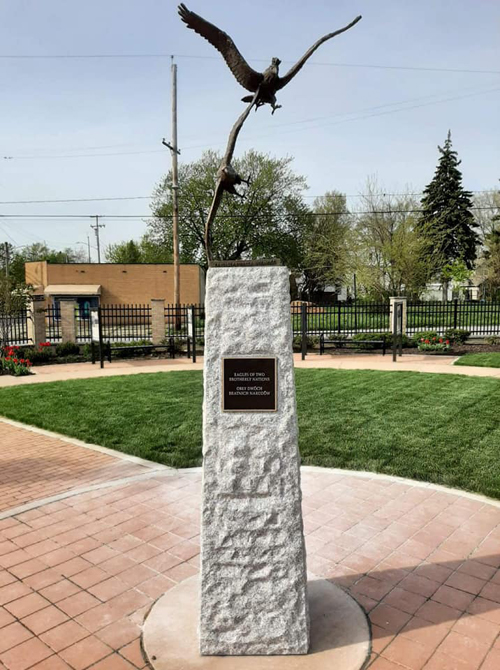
87 352
312 341
492 339
42 354
67 349
457 336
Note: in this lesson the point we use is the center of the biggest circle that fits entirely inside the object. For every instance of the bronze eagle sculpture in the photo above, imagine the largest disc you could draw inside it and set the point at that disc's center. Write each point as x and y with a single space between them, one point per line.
267 83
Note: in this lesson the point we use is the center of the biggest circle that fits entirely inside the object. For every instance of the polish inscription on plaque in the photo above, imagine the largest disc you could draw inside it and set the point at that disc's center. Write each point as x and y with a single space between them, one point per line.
249 384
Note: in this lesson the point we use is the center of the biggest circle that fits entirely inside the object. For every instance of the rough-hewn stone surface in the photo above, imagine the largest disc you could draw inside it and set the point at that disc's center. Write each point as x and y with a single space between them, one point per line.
253 592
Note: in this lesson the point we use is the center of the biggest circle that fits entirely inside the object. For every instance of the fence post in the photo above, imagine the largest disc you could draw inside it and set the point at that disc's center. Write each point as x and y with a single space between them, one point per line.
68 320
157 320
397 329
455 313
303 327
339 312
101 343
192 334
36 322
404 300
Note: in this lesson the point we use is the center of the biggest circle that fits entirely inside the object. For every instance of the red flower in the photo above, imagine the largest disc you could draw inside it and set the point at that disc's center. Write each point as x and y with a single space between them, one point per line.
440 340
427 342
447 341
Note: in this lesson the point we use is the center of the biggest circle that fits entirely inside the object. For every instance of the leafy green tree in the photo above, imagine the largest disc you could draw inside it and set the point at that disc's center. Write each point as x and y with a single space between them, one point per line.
39 251
328 243
13 299
447 223
269 221
457 273
123 252
144 251
7 253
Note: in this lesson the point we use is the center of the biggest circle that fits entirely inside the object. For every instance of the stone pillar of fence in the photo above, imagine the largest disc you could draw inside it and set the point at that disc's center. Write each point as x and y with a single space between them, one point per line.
68 321
36 320
157 320
392 300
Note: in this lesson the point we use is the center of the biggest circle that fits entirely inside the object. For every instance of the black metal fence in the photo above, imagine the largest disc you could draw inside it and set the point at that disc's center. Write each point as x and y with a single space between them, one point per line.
53 324
83 325
480 318
14 328
124 323
342 318
131 323
178 320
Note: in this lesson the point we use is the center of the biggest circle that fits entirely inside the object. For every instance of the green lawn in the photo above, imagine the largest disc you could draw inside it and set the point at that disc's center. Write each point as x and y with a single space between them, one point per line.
491 360
437 428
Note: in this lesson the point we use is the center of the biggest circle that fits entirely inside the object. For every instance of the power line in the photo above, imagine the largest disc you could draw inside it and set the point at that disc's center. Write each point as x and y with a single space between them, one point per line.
117 153
274 133
37 202
415 68
281 125
143 217
149 197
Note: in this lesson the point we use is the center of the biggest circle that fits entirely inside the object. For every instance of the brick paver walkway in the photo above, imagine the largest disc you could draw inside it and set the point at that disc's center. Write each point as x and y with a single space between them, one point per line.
34 466
78 576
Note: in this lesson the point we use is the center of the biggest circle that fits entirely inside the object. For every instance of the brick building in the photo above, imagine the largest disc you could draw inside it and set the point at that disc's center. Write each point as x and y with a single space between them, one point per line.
91 284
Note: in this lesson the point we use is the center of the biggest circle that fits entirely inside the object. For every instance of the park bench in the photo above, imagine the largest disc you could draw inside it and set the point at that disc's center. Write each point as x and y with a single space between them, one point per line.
337 344
108 349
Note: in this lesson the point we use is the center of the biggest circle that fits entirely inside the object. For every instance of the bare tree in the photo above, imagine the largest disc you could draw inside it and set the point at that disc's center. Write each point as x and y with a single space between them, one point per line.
390 257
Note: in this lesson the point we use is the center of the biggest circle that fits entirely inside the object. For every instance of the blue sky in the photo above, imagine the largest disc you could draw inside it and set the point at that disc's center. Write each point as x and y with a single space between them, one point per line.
342 118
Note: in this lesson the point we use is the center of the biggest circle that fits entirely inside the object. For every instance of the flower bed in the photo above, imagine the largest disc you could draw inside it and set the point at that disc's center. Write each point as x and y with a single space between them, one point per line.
438 344
12 363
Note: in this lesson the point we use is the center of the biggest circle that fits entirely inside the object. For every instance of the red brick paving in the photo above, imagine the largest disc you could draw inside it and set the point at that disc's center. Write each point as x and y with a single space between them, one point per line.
77 577
35 466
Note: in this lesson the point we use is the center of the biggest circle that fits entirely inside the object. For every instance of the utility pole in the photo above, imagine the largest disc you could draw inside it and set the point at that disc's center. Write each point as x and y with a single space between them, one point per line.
174 152
95 227
88 247
7 259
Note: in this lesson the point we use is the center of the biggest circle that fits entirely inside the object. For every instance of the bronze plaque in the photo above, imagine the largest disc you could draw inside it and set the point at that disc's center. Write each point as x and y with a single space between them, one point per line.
249 385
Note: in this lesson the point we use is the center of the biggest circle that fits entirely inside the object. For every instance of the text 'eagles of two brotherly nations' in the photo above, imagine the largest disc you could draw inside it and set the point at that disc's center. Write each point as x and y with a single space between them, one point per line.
249 384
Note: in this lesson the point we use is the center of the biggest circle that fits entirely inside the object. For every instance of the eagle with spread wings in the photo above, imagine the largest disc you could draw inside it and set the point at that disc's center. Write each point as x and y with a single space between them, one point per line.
267 83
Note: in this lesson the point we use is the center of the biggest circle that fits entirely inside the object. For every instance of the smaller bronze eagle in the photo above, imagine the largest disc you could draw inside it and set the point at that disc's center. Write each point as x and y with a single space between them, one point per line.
267 82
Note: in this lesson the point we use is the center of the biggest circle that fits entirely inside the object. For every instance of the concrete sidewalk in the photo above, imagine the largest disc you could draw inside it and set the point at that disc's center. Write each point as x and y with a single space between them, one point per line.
408 362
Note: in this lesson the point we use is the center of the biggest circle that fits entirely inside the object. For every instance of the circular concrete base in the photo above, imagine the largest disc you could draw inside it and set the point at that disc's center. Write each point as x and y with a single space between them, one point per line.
340 636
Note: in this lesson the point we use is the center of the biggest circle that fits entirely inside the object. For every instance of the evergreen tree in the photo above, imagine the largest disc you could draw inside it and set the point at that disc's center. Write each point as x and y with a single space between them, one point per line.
447 223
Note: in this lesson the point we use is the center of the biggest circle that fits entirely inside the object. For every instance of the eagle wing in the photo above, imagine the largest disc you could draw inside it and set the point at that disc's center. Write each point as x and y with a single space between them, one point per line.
283 81
244 74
